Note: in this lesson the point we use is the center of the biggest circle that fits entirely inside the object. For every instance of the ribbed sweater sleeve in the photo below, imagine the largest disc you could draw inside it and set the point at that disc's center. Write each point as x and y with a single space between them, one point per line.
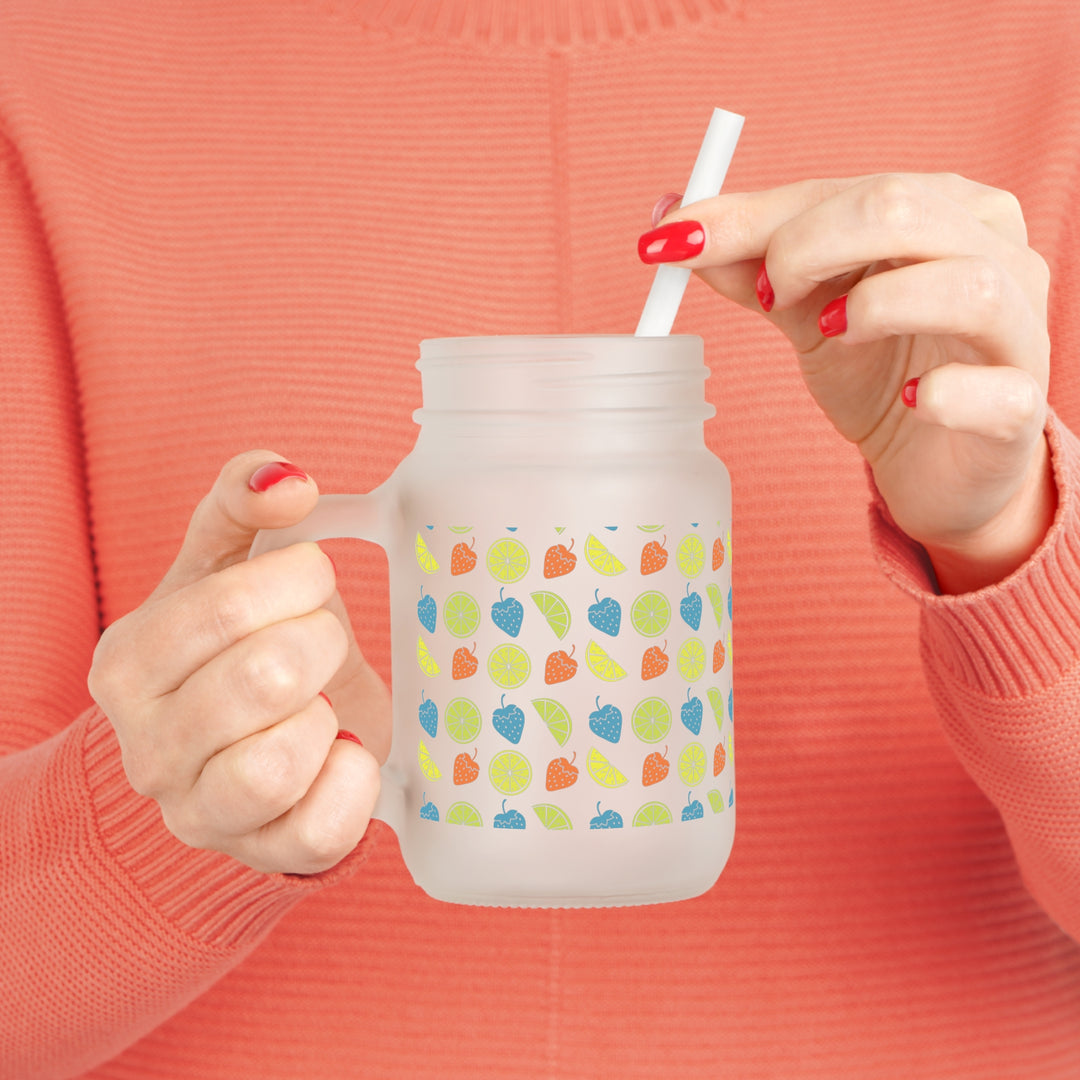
108 925
1003 665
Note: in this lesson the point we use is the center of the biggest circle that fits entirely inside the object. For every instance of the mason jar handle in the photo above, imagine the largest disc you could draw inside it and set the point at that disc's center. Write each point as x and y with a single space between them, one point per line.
359 517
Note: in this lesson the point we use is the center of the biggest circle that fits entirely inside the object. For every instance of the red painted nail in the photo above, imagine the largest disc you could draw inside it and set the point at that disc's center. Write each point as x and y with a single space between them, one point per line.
266 476
911 388
326 699
764 290
833 318
674 242
663 205
343 734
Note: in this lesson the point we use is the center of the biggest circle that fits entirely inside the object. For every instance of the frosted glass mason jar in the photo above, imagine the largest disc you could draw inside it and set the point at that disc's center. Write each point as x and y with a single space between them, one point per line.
560 591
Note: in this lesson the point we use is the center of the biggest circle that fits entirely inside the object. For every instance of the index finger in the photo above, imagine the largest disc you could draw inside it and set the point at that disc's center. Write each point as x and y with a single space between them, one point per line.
170 637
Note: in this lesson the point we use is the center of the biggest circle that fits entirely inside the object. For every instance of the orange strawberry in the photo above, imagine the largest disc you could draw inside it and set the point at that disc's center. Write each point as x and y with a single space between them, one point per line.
561 773
653 556
718 656
655 768
465 662
560 666
719 759
559 560
718 553
463 558
654 663
465 768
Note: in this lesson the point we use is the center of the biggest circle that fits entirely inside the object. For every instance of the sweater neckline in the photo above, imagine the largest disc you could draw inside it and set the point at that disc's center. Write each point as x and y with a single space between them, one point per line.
556 23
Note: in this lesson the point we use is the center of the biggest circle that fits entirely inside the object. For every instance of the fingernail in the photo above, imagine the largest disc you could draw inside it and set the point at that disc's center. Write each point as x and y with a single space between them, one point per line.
763 287
911 388
326 699
343 734
266 476
833 318
674 242
663 205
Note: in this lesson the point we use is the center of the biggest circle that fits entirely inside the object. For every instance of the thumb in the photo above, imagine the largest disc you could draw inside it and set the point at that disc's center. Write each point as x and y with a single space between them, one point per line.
255 490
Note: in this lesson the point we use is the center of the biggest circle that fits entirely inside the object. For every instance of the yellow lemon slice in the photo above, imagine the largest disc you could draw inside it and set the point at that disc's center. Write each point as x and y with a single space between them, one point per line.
427 766
690 555
651 719
461 614
551 817
650 614
509 666
424 658
600 559
555 717
692 764
463 813
462 720
424 558
510 772
602 665
727 545
555 611
652 813
602 771
507 560
691 661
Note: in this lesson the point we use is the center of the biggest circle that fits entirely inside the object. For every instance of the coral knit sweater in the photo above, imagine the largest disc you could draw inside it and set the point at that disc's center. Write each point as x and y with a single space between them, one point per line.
228 225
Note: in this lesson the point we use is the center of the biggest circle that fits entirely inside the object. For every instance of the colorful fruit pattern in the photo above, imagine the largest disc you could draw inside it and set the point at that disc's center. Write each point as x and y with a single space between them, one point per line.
561 692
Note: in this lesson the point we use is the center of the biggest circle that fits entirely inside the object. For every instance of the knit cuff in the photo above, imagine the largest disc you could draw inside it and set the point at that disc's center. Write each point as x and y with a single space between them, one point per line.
1015 637
211 897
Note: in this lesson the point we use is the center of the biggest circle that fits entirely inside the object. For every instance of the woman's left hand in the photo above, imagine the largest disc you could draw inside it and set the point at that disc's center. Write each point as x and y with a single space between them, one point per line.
883 280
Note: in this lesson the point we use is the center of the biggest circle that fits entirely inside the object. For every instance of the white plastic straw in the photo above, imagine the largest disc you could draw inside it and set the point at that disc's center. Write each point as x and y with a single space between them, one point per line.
669 284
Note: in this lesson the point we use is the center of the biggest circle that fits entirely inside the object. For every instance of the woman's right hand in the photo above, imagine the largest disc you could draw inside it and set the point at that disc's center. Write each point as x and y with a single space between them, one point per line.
214 686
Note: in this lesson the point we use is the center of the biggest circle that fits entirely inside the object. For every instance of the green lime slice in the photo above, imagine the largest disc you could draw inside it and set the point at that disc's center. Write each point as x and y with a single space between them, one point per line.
555 611
555 717
462 720
716 703
463 813
690 556
691 663
510 772
650 614
551 817
461 614
459 529
650 528
716 801
651 719
652 813
692 763
507 560
509 666
716 599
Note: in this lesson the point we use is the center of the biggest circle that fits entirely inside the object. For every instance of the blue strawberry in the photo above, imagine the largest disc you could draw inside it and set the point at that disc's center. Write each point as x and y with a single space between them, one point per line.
606 722
609 819
693 810
429 811
426 611
507 614
509 819
606 614
429 715
691 712
508 721
690 608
